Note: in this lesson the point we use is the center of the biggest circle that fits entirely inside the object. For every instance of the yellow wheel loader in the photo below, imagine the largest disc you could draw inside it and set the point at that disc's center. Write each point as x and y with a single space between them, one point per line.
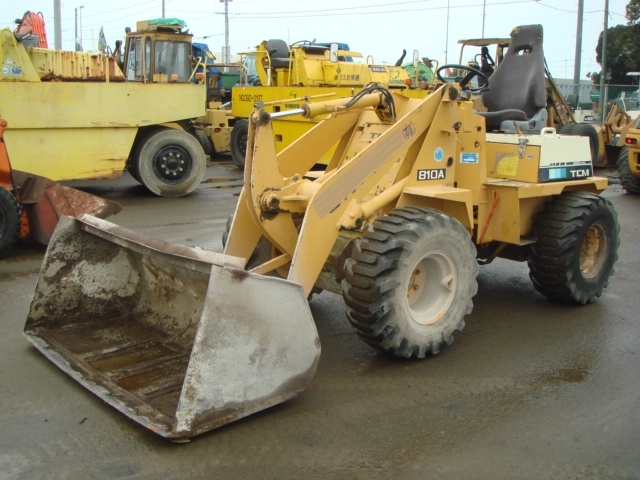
629 160
283 77
417 193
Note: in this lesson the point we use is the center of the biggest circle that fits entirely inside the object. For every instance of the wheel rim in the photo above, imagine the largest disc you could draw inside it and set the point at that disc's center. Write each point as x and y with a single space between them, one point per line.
593 251
171 163
431 288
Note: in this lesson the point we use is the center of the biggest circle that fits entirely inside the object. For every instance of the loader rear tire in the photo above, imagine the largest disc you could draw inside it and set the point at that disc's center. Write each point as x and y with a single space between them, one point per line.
410 281
584 130
205 142
10 218
170 163
629 182
576 248
239 135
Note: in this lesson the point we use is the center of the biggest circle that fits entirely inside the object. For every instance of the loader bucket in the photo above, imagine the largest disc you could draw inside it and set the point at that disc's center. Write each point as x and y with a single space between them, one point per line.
179 339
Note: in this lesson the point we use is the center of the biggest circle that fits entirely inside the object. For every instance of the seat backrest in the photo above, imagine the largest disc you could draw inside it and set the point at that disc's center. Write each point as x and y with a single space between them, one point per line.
518 82
279 52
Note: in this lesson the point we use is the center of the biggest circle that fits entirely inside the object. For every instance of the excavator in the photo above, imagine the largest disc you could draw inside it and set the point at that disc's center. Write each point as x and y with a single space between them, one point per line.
417 195
30 205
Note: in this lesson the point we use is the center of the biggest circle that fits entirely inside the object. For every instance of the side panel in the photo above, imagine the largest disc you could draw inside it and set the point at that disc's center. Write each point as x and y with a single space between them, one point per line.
84 130
539 158
506 212
71 153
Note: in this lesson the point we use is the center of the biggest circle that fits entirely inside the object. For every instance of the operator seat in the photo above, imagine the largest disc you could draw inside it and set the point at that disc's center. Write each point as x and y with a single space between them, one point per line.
517 98
278 52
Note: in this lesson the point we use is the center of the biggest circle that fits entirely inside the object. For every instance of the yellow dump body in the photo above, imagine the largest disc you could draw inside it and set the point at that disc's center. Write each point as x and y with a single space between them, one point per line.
71 130
73 117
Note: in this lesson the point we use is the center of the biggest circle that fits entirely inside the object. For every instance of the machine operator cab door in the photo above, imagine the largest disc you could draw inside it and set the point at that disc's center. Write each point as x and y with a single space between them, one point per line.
158 52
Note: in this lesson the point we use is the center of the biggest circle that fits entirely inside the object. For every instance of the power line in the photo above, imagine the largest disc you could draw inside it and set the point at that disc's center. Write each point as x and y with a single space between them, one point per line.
337 11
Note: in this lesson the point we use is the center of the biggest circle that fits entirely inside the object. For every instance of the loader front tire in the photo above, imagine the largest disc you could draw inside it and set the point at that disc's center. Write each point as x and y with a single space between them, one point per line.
239 135
629 182
170 163
410 281
10 218
576 248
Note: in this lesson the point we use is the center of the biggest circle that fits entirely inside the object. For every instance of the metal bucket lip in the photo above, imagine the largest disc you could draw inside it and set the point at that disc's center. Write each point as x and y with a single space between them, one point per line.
59 360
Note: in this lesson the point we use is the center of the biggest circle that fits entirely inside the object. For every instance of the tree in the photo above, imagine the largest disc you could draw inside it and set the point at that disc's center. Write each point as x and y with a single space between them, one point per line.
623 49
623 54
632 12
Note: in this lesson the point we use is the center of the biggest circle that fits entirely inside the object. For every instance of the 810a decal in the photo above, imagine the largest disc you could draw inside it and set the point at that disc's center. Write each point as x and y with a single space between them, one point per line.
432 174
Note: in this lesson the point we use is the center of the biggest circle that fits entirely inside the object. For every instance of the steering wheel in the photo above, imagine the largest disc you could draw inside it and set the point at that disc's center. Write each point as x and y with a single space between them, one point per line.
301 43
464 83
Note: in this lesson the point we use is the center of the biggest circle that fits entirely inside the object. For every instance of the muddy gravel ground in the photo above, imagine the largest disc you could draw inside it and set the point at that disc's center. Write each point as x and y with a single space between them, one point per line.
530 389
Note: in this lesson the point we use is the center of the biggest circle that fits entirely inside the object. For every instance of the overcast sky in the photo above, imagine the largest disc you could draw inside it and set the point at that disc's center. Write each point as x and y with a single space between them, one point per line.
381 28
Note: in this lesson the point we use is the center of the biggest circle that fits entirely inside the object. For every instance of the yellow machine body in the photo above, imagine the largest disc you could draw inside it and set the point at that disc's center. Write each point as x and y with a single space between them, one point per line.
415 195
309 73
73 116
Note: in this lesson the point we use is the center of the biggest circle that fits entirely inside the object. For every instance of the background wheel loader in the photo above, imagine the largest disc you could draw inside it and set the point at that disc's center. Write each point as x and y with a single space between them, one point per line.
76 115
30 205
629 160
417 193
283 77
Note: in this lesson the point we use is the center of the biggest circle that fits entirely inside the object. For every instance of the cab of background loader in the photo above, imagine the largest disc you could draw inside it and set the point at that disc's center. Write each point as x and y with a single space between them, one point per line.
159 51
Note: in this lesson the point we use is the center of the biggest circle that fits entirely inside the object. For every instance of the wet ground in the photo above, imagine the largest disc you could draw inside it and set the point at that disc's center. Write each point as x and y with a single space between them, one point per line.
530 389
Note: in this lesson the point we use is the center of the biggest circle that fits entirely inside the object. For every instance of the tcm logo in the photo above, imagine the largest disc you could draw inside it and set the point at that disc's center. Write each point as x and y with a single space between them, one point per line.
432 174
580 173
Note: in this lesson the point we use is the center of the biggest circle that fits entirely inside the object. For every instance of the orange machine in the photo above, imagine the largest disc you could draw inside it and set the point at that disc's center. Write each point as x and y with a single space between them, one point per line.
33 24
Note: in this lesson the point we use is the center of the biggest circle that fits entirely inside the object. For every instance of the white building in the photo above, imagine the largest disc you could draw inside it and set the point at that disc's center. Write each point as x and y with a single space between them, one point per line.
566 88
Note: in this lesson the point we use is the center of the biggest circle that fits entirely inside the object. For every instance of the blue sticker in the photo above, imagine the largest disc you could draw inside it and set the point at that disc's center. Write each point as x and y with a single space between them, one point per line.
468 157
438 154
16 70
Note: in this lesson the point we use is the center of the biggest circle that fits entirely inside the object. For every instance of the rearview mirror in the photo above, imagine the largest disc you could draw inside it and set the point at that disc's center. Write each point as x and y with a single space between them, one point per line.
333 52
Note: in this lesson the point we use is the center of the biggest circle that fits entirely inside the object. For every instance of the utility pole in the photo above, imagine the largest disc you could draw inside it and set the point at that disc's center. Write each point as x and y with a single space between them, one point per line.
226 54
57 24
484 6
78 40
81 48
75 37
446 44
578 55
603 74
